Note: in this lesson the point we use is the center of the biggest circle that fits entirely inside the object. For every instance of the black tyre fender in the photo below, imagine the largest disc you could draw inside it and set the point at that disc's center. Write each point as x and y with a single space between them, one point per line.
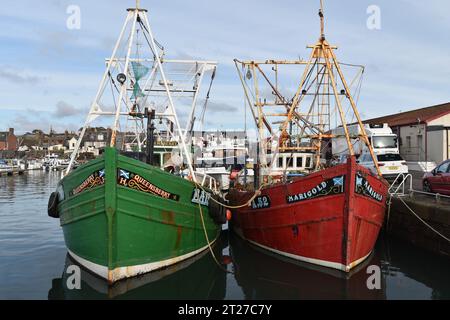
53 202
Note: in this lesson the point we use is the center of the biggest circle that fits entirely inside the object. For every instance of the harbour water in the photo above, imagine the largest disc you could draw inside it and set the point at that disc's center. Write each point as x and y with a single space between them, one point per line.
33 262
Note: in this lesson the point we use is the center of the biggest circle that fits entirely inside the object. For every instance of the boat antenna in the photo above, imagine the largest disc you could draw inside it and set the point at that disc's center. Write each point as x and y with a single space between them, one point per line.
138 2
322 23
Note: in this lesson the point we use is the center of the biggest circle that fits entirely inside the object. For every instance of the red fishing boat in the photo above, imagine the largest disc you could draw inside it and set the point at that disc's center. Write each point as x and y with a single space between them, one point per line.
309 205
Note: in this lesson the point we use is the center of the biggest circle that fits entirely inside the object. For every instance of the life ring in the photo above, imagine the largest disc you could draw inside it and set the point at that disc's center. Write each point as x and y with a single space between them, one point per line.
53 205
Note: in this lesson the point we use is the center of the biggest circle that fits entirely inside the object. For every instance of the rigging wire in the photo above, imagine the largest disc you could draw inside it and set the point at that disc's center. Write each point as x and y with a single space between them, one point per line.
206 100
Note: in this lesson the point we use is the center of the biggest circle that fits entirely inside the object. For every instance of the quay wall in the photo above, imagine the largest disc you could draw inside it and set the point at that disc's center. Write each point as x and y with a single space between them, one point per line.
401 223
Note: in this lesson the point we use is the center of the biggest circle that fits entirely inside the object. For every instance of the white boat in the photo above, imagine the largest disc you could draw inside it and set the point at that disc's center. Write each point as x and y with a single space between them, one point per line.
52 162
219 160
34 164
5 167
11 166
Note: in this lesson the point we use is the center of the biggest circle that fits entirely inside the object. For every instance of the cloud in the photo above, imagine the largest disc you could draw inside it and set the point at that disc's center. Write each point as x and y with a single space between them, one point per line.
19 76
221 107
64 110
23 123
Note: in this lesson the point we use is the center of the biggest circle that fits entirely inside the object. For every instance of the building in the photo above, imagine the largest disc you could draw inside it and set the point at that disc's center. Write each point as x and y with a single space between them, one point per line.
96 139
72 144
424 134
8 141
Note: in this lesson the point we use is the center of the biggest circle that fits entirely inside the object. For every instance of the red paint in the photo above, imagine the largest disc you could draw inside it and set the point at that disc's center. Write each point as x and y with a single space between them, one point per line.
226 260
438 180
338 228
229 215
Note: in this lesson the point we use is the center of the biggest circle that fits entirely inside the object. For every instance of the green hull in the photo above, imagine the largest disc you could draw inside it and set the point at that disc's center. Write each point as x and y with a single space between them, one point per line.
122 217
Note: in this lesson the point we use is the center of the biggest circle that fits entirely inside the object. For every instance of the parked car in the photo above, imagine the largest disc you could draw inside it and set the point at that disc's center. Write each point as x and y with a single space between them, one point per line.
391 164
438 180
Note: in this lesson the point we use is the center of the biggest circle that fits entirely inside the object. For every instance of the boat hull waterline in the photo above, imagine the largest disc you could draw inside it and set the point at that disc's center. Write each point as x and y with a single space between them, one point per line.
122 217
330 218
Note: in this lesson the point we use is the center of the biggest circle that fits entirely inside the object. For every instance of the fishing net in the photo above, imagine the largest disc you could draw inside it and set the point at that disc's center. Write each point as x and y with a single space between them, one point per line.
139 71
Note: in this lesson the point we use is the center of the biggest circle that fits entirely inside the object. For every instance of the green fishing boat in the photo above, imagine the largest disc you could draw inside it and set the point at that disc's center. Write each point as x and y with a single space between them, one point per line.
122 214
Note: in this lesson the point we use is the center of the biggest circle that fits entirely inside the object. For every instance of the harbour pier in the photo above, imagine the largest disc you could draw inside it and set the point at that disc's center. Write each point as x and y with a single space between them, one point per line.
420 218
11 172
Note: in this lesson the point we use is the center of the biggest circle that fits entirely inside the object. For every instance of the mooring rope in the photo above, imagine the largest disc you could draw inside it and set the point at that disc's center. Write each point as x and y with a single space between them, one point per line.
209 243
423 221
256 194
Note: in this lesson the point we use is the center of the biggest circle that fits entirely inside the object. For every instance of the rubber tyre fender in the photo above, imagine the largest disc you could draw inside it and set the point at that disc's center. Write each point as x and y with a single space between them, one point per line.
53 202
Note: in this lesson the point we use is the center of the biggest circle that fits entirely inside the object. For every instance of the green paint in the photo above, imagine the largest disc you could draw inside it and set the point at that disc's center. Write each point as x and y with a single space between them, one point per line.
118 226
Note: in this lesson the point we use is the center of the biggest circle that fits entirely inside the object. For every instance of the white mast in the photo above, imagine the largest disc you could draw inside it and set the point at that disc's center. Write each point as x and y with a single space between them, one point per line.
122 66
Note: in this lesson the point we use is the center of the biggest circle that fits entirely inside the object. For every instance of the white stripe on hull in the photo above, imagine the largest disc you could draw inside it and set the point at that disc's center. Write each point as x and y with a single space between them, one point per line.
131 271
324 263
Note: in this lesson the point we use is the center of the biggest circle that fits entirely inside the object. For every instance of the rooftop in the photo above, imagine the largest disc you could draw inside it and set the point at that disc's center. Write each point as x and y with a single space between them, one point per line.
423 115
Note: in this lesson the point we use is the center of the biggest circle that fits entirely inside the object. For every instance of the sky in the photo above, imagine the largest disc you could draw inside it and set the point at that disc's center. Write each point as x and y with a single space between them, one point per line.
49 74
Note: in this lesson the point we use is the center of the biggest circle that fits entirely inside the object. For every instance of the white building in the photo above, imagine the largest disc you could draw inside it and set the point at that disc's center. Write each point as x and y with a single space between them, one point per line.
72 143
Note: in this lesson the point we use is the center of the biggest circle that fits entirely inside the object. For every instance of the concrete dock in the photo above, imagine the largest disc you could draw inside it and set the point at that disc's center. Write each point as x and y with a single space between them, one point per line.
404 219
11 172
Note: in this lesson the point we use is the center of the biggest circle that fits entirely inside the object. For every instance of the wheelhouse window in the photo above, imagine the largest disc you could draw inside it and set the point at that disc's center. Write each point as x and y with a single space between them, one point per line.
289 161
308 162
299 162
280 162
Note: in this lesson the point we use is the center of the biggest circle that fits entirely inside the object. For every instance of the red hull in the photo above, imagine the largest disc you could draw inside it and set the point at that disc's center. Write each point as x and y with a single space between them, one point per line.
330 218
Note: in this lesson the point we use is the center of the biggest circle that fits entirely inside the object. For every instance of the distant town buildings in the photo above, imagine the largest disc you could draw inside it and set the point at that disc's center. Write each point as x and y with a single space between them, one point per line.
8 141
94 140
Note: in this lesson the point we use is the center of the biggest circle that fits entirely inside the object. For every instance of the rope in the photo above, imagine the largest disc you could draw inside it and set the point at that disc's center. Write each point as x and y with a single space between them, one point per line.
389 202
209 243
226 206
256 194
412 211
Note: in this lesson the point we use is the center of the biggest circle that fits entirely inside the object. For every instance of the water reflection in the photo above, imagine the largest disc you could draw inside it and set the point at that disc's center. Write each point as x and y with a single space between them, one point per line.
198 278
33 254
413 273
263 275
407 273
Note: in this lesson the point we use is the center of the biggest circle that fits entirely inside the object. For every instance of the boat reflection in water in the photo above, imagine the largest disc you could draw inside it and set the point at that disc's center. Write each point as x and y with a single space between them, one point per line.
263 275
406 273
197 278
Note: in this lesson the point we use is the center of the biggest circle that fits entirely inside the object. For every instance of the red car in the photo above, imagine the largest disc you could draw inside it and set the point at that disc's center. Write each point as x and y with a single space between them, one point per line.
438 180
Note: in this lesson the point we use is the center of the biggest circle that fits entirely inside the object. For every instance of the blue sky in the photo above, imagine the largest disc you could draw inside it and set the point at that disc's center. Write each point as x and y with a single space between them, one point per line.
49 74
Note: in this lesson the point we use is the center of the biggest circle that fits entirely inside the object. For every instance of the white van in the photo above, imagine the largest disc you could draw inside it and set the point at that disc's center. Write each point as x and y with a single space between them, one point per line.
391 164
381 137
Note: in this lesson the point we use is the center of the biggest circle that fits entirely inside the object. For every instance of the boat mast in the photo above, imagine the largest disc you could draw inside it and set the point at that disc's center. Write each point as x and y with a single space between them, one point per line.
188 87
323 69
181 136
95 106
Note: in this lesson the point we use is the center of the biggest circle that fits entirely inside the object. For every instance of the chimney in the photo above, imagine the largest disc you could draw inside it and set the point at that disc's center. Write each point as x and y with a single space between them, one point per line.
11 131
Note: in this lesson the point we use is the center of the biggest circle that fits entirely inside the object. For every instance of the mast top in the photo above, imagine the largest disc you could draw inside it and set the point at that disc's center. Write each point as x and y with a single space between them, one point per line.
138 7
322 23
